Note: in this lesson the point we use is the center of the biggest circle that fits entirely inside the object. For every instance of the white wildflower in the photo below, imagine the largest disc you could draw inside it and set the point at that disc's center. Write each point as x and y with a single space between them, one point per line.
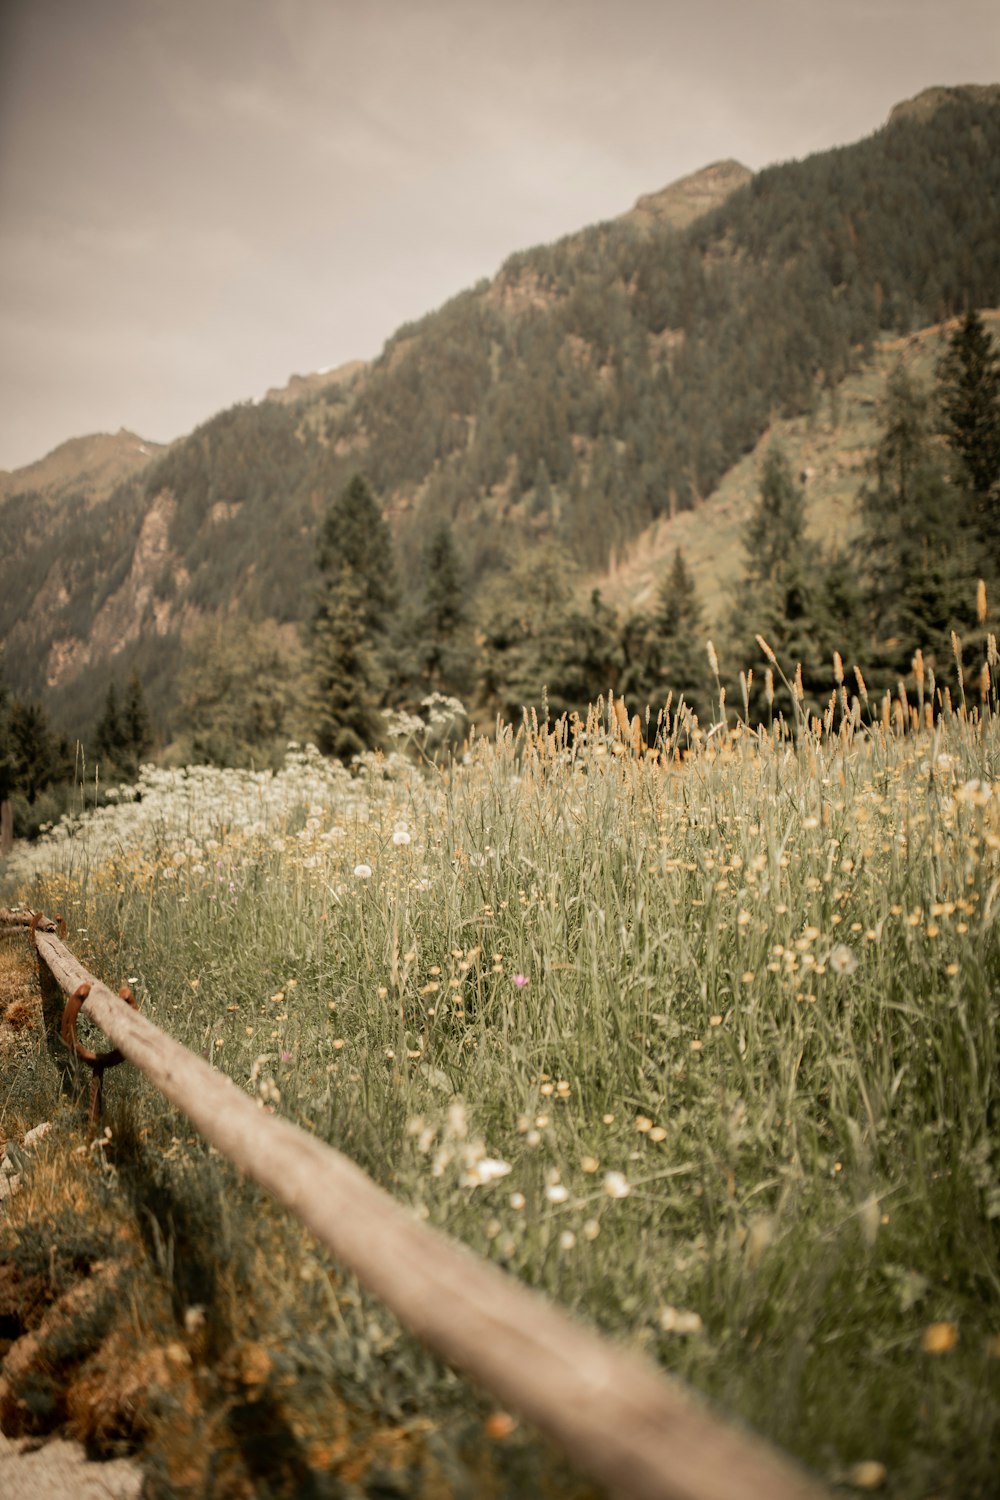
842 960
488 1169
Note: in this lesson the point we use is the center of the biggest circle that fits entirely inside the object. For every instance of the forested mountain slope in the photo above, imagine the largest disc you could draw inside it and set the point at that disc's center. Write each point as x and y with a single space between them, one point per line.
591 388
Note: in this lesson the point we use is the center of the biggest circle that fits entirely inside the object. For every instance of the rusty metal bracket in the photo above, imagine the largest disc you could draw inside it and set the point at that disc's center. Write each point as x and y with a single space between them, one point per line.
96 1061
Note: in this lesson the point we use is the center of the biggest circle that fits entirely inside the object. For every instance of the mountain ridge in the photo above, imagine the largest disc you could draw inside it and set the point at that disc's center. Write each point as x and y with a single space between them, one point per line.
592 388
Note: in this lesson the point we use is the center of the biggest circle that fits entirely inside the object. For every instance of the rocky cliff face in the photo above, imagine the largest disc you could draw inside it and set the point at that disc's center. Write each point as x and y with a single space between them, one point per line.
678 205
135 607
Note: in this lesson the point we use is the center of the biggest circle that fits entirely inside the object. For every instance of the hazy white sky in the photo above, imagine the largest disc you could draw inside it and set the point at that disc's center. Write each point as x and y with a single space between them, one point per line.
199 197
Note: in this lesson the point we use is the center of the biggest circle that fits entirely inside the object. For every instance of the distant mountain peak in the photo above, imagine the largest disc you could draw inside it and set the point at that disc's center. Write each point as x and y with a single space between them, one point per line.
925 104
299 387
679 204
95 462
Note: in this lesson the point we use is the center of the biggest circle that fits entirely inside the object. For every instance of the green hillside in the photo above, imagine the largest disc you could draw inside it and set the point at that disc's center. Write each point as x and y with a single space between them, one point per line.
593 390
829 447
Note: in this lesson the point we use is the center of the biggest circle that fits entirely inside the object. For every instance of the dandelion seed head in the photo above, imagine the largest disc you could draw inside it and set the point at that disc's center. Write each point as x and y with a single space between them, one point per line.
487 1169
842 960
616 1185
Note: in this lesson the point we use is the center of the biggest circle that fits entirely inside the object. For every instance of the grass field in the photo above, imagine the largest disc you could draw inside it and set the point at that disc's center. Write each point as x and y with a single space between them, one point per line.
705 1045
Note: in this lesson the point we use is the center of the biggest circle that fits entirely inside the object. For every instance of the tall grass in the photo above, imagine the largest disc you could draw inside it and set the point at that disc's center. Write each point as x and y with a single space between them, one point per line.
703 1042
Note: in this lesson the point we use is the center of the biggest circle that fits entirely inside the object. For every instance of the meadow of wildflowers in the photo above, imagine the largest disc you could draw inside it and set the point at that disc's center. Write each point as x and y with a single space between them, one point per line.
702 1044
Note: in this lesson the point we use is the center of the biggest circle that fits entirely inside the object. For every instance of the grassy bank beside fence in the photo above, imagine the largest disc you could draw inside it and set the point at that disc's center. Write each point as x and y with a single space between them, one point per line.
705 1046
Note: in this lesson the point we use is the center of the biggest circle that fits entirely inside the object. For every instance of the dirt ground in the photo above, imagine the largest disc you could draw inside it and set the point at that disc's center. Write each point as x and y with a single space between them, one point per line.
53 1469
32 1468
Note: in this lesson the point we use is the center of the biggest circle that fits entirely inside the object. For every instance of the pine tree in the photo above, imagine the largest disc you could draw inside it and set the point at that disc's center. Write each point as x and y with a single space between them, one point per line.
109 732
782 598
663 652
355 538
349 632
914 545
34 751
580 656
677 621
123 735
524 617
444 638
346 680
969 394
137 734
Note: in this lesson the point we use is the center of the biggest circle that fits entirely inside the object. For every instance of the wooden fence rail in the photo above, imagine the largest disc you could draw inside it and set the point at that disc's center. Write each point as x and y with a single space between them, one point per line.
619 1419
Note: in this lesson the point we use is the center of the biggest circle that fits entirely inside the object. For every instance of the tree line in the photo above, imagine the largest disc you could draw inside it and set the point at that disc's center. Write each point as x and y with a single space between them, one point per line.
39 767
929 514
380 637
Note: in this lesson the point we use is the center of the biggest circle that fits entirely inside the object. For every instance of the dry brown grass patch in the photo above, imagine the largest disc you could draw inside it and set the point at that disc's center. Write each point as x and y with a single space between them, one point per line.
19 1000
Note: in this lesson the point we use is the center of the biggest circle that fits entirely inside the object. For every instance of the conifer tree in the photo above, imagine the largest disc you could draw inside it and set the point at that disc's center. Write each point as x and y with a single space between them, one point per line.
123 735
108 735
350 624
355 538
664 651
677 620
443 631
969 394
346 679
525 617
914 546
137 734
580 660
782 597
34 751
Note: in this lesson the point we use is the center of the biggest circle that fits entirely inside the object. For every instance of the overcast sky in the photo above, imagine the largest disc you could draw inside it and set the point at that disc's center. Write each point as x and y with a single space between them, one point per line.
200 197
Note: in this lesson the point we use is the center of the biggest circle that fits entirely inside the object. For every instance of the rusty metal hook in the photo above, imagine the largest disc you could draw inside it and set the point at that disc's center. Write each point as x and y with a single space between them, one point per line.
96 1061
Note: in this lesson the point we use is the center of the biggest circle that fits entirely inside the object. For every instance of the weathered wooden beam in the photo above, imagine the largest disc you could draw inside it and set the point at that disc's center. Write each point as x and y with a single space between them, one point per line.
19 920
619 1418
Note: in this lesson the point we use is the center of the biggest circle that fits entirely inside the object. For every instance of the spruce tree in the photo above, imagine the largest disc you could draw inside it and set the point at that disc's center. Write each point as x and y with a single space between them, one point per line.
34 752
109 732
137 734
914 546
782 598
525 619
444 638
663 652
677 620
346 680
969 396
581 658
349 632
355 538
